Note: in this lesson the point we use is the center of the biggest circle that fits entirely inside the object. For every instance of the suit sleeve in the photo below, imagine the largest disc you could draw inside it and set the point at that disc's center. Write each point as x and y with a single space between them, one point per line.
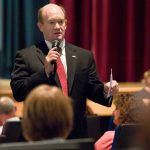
22 80
96 87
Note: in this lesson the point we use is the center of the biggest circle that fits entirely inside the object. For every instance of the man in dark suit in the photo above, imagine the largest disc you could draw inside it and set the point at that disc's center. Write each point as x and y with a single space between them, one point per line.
37 65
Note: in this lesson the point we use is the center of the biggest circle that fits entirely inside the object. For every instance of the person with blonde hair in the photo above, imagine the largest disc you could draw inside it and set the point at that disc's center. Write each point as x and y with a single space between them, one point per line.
47 114
145 123
144 93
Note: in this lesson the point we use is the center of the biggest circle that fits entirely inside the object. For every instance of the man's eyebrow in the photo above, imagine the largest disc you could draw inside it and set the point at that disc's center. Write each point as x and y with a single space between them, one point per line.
56 19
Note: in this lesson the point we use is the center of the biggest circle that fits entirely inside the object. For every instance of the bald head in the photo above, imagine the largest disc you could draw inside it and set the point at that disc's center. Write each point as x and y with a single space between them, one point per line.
49 9
6 105
52 22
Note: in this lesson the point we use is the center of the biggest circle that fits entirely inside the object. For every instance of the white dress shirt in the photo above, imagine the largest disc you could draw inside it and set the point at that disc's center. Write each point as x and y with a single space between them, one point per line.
1 128
62 55
9 120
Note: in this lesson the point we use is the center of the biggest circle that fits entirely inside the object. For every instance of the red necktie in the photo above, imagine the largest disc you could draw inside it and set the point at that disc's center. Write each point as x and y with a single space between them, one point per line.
62 76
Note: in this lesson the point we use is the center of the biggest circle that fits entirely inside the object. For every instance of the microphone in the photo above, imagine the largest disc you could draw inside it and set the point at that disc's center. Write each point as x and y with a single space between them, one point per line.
55 43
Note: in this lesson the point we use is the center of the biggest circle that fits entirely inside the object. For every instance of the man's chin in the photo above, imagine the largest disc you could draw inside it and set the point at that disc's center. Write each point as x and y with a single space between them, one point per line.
58 38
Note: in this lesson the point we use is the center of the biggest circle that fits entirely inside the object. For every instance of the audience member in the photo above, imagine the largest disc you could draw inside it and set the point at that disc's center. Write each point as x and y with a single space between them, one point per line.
144 93
145 121
128 111
48 114
7 111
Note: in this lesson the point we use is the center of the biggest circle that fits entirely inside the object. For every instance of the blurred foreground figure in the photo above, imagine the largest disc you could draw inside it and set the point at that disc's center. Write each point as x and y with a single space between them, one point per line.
146 129
48 114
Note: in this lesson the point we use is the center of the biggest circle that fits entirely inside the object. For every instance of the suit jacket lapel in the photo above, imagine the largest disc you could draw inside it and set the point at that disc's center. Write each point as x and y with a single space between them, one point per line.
71 60
42 51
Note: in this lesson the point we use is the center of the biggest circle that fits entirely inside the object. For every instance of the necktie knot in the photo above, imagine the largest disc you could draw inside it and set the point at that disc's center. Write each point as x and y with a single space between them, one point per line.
59 50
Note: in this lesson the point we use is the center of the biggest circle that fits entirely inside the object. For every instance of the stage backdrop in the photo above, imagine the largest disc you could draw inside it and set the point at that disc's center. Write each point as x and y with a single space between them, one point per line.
19 29
117 31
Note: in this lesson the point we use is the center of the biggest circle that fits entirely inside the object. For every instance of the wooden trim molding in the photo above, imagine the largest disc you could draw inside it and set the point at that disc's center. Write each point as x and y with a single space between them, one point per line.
95 108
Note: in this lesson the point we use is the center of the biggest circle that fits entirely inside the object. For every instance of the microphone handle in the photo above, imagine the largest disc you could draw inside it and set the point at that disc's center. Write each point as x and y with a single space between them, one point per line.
56 44
53 62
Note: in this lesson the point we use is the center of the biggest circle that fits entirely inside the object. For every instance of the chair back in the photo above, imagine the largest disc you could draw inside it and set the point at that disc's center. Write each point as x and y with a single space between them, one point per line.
54 144
126 136
97 126
12 131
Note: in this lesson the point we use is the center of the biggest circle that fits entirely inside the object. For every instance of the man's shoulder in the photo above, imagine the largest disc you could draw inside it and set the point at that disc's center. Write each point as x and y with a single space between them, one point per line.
77 48
12 119
26 49
33 48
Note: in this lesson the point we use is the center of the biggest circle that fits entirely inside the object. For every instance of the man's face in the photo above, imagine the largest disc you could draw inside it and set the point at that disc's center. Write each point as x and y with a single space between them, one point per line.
54 24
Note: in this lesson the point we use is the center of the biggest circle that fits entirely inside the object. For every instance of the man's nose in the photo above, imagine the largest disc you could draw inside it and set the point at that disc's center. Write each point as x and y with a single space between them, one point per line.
57 25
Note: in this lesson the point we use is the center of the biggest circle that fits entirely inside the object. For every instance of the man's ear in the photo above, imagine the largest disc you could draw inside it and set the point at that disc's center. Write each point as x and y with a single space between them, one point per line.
40 26
65 24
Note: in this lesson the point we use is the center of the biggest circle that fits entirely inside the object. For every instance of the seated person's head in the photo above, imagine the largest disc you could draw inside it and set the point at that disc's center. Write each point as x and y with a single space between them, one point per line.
7 108
128 109
47 114
146 78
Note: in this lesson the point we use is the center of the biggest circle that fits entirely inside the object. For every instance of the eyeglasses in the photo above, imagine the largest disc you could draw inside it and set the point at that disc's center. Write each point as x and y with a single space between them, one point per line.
59 21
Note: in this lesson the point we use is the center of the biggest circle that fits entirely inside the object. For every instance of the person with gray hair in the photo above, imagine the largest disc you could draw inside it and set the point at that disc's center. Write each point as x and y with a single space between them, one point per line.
7 111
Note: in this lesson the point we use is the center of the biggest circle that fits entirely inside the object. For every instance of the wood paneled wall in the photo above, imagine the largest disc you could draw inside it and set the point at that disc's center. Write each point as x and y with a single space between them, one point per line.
97 109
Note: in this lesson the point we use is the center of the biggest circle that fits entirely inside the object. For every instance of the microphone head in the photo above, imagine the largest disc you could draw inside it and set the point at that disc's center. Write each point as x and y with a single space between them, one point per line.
55 43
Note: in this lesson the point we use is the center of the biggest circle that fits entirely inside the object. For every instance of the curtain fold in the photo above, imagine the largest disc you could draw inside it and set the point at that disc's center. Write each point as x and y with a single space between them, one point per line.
1 27
19 30
118 33
129 36
147 36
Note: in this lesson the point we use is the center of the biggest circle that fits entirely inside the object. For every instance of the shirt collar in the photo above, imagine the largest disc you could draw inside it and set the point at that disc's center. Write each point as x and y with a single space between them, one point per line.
49 44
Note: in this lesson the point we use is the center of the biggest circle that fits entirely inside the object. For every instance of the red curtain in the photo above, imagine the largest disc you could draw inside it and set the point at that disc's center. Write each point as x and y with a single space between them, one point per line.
117 31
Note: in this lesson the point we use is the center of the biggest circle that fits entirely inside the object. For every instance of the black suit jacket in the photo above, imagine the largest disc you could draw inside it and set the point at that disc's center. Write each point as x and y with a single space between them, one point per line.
83 82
